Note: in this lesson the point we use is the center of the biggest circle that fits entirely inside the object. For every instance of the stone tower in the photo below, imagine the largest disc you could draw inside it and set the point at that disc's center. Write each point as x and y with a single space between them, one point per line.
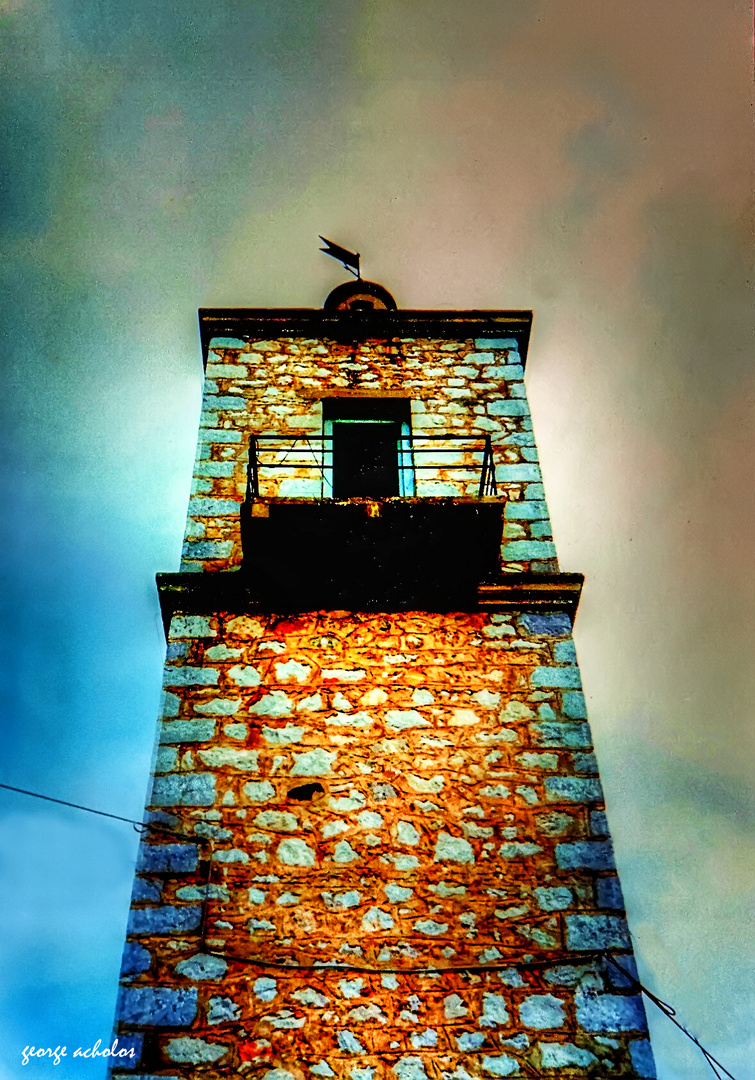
377 843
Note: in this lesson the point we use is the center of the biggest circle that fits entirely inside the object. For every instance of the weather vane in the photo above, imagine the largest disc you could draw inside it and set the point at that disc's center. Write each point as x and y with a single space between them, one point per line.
348 259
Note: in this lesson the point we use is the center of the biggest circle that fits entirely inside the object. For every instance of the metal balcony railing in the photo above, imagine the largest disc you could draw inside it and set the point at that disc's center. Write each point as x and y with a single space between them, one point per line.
418 456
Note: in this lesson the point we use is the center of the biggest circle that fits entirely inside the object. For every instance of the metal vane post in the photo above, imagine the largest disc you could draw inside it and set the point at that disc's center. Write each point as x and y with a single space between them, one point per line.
348 259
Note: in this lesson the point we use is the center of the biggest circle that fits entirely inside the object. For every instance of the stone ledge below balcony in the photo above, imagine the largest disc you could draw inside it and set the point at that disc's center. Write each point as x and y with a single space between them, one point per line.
396 555
532 592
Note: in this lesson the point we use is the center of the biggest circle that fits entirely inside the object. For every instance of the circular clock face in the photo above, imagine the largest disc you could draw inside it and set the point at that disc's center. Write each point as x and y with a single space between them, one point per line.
360 296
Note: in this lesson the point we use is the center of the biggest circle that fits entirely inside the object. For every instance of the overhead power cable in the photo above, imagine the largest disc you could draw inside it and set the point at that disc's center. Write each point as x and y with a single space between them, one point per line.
668 1011
717 1068
140 826
75 806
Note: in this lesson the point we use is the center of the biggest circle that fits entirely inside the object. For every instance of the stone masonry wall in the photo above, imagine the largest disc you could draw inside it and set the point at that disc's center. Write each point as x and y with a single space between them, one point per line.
378 846
472 388
433 912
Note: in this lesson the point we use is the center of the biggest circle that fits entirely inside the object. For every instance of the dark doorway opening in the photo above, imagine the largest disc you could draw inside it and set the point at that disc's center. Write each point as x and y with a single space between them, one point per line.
371 446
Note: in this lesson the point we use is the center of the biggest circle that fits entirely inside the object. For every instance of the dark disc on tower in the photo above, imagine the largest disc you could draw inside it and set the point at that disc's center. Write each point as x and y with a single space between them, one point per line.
359 296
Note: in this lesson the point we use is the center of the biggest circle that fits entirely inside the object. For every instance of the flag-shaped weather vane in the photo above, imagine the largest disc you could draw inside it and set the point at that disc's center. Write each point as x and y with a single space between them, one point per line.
348 259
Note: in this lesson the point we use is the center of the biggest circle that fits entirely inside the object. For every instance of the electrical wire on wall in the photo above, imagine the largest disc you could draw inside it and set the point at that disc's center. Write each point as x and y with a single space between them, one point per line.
599 955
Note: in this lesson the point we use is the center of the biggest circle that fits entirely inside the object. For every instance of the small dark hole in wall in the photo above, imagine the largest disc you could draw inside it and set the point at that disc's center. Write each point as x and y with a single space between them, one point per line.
305 792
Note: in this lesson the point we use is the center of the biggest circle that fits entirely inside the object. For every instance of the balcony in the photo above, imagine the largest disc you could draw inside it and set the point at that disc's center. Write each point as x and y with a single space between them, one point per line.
424 534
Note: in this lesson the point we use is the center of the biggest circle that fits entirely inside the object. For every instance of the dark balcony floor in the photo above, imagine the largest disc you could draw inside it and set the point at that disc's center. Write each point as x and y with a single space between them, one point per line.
390 554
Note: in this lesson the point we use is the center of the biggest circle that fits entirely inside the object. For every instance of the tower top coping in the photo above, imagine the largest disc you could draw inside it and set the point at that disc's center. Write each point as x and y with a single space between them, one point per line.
357 324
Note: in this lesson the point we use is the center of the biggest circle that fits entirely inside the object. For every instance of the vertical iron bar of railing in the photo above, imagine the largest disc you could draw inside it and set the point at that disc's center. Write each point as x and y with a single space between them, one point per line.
252 472
412 461
484 469
321 464
492 485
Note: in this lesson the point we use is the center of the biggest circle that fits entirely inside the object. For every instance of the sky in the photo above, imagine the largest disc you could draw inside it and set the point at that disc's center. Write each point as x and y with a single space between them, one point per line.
587 159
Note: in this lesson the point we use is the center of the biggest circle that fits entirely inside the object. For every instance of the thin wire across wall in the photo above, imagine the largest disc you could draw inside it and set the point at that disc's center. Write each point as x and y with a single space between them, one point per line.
602 955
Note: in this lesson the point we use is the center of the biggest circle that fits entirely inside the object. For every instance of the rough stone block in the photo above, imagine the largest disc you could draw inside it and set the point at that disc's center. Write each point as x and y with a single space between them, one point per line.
136 959
598 823
194 1051
191 626
229 402
218 706
164 920
202 506
453 849
556 678
585 855
228 757
521 438
165 759
208 549
226 371
585 763
215 468
610 1012
609 893
554 898
518 849
219 343
498 343
157 1006
617 978
276 703
642 1058
586 932
525 511
259 790
509 407
183 731
524 550
190 676
541 530
508 372
202 967
220 435
563 1056
132 1042
542 1011
573 705
171 703
295 852
146 890
573 789
498 1065
551 733
222 1009
564 652
538 761
555 624
168 858
188 789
